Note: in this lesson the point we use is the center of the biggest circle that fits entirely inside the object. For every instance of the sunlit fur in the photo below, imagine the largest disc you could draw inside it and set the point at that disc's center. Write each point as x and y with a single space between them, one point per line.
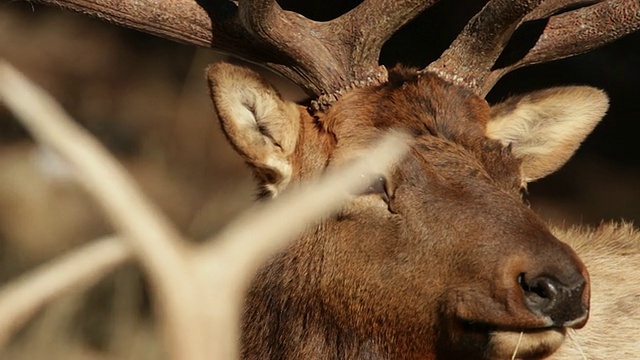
612 255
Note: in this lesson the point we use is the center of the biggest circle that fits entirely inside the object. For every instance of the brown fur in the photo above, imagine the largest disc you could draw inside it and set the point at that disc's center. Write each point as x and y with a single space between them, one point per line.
428 270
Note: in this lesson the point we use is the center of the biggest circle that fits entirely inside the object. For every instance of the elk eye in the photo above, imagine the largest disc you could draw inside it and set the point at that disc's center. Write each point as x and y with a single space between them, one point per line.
379 185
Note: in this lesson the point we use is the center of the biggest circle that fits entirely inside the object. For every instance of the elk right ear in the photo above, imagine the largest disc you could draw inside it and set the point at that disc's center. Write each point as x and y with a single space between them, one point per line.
260 125
544 128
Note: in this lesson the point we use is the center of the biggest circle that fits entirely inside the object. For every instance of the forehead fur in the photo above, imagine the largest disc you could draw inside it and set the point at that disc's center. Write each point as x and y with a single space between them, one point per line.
419 104
425 106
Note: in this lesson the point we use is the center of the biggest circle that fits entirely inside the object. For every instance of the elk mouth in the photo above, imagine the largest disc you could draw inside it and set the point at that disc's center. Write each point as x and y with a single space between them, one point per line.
472 340
496 342
530 344
529 319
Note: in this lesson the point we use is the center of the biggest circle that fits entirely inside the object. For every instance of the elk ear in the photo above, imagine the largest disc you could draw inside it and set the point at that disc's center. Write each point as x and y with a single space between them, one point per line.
260 125
544 128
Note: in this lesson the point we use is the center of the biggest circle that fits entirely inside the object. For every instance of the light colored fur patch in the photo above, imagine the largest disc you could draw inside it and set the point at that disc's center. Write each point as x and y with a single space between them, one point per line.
544 128
612 255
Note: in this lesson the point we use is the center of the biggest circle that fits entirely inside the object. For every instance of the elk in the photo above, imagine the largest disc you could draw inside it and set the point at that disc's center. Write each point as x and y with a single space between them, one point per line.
440 258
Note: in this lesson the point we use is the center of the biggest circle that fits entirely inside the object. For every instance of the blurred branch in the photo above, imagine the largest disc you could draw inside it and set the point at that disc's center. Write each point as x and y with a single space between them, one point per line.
154 241
24 297
199 290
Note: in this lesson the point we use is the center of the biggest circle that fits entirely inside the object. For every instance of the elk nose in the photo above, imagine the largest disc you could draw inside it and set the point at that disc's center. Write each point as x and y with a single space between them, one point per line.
548 297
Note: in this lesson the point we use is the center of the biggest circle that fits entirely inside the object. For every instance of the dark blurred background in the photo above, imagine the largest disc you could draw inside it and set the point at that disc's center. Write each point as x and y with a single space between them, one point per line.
145 99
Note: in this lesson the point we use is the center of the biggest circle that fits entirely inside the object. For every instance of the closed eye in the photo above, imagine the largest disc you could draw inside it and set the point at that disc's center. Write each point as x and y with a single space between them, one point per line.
379 186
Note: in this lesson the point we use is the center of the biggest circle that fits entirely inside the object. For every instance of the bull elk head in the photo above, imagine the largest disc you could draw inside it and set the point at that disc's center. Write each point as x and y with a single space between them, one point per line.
440 259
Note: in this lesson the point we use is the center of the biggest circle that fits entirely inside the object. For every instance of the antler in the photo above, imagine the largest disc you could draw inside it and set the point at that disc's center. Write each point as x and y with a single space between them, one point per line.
327 58
322 57
471 60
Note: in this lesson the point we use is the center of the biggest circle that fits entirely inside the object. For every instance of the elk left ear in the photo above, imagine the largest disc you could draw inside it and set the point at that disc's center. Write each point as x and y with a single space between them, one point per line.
544 128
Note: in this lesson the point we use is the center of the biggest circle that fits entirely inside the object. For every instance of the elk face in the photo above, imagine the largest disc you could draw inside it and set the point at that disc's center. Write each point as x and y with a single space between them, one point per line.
441 258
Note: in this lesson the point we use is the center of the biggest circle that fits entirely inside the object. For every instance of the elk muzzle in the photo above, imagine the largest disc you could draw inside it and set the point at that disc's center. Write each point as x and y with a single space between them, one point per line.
543 285
527 300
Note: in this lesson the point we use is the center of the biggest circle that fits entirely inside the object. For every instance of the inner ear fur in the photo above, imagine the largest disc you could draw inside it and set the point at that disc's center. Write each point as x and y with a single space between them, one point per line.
544 128
261 126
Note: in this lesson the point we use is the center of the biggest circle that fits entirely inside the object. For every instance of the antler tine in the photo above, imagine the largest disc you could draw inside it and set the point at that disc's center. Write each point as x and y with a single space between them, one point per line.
320 54
368 26
343 53
576 32
298 46
470 57
364 30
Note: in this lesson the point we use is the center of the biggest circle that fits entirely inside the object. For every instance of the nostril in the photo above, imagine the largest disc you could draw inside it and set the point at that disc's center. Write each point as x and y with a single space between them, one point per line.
542 287
539 293
547 297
